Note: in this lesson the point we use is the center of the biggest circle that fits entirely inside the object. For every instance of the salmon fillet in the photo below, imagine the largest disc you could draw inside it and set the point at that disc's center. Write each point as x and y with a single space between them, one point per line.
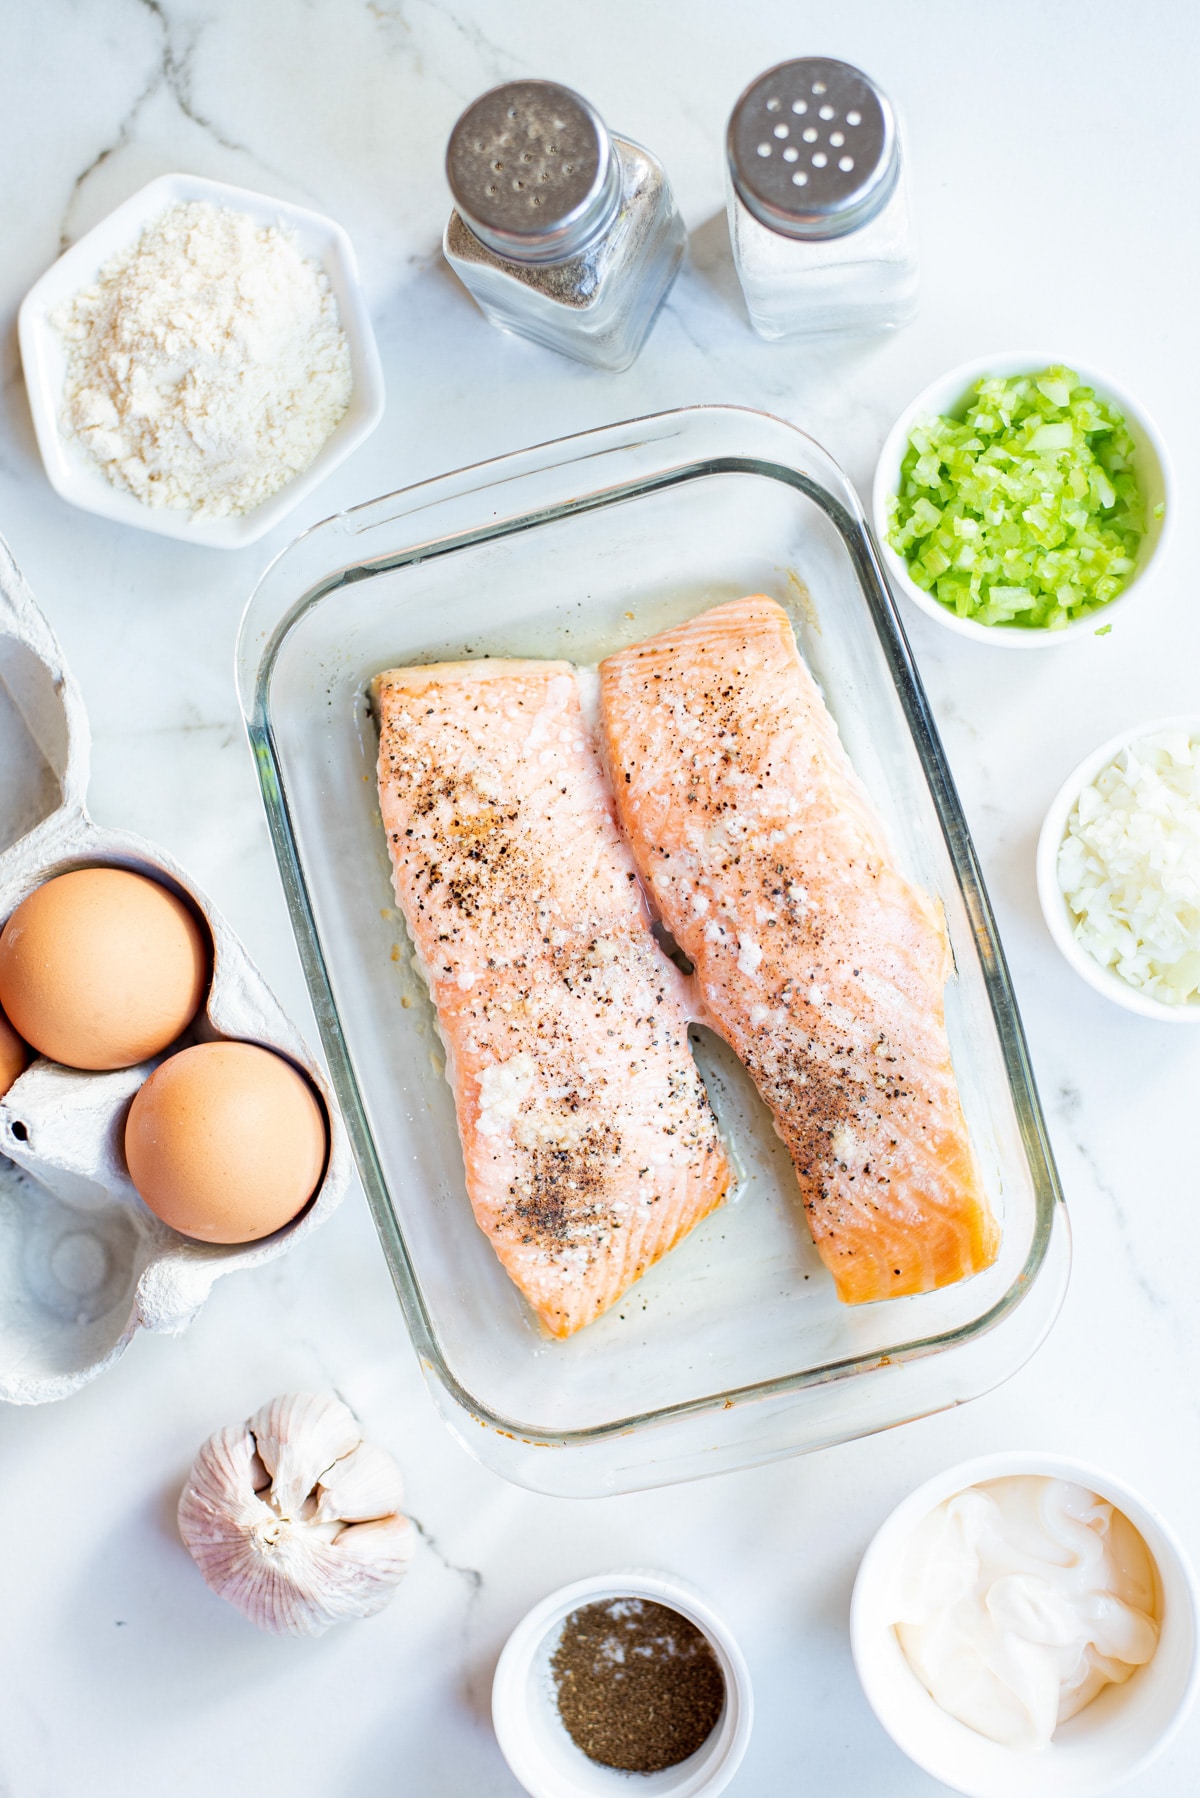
589 1142
819 964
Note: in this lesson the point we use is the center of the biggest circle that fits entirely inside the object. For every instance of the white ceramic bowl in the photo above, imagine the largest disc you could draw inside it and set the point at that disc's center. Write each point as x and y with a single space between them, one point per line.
948 396
530 1732
77 479
1112 1739
1054 905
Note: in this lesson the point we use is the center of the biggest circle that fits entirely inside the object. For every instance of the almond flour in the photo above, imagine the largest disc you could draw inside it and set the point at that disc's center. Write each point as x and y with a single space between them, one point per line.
206 367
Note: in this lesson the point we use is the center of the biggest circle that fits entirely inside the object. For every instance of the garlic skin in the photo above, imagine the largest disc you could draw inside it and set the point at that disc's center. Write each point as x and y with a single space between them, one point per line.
294 1519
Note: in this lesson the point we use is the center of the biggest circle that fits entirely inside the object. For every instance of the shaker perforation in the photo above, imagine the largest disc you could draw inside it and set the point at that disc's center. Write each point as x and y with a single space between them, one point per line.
532 170
842 111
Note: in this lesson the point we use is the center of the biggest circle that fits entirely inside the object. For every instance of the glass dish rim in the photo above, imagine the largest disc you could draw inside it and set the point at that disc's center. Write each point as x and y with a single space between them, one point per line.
848 518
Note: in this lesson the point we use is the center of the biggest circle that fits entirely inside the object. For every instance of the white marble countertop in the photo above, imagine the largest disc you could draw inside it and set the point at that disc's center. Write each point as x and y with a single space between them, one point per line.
1049 146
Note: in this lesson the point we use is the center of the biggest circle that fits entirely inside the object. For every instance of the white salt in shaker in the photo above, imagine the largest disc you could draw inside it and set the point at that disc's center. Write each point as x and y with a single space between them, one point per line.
561 231
819 212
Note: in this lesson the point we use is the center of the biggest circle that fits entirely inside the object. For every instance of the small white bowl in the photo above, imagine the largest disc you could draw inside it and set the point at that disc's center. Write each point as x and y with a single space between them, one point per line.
525 1714
73 476
947 397
1050 895
1117 1735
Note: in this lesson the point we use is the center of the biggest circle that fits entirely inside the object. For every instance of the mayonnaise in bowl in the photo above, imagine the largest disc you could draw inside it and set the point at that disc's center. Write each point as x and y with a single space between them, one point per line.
1055 1569
1021 1599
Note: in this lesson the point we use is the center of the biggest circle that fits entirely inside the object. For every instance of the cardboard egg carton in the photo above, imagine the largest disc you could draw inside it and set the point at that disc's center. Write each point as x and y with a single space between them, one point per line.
84 1263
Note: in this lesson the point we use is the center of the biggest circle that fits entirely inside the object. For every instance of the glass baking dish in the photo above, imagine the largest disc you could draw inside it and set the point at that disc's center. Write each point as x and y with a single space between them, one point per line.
733 1350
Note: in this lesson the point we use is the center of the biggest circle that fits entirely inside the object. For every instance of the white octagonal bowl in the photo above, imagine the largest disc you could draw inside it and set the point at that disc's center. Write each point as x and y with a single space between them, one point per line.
947 397
1113 1738
1050 894
78 480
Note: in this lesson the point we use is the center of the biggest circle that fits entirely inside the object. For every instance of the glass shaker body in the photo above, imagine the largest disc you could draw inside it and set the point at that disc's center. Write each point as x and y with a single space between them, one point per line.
590 270
824 249
863 282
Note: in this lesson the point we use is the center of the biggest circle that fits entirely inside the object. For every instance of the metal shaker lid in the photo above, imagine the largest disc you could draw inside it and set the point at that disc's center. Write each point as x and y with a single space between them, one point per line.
533 172
813 148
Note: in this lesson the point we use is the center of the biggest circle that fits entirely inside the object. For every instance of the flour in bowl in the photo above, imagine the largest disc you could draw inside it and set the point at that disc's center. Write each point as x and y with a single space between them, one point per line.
206 367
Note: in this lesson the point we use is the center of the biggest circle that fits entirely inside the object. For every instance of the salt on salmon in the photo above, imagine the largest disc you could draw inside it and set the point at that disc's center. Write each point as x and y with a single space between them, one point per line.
818 962
589 1142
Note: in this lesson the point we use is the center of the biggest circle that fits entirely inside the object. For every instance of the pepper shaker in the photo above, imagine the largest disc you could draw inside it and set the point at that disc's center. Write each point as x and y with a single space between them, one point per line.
819 211
561 231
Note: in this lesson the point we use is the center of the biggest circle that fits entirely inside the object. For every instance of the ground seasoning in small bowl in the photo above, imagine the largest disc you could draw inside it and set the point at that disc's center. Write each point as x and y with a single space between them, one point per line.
639 1687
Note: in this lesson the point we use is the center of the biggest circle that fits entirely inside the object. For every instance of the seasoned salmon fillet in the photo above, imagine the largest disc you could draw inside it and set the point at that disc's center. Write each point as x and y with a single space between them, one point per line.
819 964
589 1143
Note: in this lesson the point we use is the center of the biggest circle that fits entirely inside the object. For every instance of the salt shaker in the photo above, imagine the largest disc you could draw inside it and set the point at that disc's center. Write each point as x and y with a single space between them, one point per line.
819 212
561 231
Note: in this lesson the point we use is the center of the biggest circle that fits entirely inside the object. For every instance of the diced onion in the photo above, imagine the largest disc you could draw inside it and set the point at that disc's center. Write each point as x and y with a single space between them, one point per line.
1024 512
1129 867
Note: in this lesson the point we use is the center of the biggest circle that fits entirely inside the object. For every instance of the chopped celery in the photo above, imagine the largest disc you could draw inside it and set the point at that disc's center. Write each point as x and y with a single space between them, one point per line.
1025 511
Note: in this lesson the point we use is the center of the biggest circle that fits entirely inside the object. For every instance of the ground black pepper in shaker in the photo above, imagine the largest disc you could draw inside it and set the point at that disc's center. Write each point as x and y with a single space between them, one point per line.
561 231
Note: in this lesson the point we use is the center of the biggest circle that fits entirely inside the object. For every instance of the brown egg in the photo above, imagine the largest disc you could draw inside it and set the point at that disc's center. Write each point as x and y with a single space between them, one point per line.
226 1142
13 1055
101 968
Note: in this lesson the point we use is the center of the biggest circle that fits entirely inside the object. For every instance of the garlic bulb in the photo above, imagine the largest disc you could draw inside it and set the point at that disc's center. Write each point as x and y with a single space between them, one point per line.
296 1520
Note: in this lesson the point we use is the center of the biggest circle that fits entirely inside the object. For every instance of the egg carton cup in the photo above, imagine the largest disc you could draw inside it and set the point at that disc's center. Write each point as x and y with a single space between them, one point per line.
84 1263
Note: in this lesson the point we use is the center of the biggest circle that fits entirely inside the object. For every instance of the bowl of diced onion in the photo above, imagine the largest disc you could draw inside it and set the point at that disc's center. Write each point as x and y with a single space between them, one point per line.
1021 500
1118 869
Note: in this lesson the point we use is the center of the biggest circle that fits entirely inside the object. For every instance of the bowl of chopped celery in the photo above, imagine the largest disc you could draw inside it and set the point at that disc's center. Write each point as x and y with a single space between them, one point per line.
1020 499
